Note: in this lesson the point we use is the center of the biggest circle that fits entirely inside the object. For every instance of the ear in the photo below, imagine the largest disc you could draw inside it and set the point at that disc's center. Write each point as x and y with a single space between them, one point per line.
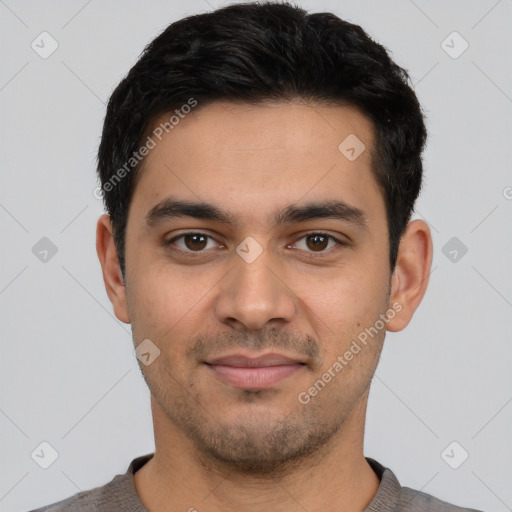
410 277
112 277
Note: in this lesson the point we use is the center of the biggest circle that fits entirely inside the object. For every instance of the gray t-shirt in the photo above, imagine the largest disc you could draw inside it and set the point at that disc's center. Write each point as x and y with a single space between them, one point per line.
120 495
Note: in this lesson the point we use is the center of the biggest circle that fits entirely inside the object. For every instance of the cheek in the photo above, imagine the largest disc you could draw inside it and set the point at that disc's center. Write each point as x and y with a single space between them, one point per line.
343 305
352 291
167 307
152 305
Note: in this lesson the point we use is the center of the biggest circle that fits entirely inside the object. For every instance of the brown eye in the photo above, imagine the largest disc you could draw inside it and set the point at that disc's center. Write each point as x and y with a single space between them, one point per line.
191 242
317 241
195 242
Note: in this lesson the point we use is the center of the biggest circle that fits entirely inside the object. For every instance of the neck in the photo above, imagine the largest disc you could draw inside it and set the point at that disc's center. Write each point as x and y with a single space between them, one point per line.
336 478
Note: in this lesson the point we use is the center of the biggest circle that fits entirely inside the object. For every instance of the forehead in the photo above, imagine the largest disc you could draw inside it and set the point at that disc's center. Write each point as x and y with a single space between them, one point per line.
255 157
271 127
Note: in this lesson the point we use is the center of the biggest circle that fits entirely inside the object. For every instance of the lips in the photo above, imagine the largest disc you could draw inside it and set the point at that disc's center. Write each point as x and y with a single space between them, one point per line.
254 373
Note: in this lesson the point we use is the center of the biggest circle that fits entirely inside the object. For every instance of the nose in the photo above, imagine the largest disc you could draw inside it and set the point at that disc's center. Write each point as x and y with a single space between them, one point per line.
254 294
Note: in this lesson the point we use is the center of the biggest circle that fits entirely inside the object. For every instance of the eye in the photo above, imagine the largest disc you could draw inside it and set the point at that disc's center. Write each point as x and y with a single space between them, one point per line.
196 243
318 242
192 242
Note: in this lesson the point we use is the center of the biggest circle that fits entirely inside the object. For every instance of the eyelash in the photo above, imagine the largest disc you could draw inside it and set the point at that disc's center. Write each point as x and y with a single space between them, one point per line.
313 254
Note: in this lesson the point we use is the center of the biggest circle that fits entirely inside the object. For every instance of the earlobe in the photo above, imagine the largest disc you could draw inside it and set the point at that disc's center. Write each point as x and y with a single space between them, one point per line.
107 254
410 277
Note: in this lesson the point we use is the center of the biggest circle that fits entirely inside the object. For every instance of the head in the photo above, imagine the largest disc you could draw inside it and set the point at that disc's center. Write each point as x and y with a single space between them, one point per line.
299 140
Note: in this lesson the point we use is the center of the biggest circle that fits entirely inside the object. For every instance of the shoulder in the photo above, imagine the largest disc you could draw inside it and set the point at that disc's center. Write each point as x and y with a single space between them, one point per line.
80 502
111 496
392 496
418 501
117 495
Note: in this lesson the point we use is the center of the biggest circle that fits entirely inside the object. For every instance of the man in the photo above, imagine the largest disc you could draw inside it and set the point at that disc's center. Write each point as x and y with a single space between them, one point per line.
259 166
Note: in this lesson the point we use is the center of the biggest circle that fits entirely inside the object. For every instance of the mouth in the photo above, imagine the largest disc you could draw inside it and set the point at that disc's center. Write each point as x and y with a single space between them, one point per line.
246 372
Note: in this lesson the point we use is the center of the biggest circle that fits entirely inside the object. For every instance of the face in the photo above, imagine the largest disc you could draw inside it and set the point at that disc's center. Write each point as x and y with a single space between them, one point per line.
255 304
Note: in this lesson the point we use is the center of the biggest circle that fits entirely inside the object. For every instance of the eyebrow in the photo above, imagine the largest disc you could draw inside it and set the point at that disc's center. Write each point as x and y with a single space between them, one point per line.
171 208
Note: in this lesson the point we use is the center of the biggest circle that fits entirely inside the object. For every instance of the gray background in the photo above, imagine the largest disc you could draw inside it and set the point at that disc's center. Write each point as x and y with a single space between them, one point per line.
68 375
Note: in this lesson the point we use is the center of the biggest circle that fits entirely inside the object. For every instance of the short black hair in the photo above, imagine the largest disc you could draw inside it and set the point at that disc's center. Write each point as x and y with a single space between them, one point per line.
253 52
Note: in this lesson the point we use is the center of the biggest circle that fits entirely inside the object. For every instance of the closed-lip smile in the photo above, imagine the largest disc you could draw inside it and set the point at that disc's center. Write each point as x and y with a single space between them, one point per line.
247 371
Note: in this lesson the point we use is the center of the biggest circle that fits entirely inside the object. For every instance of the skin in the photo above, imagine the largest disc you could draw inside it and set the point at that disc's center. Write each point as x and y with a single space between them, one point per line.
223 448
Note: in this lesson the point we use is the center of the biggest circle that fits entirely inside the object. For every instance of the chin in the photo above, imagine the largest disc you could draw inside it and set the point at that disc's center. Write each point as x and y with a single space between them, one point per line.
262 448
